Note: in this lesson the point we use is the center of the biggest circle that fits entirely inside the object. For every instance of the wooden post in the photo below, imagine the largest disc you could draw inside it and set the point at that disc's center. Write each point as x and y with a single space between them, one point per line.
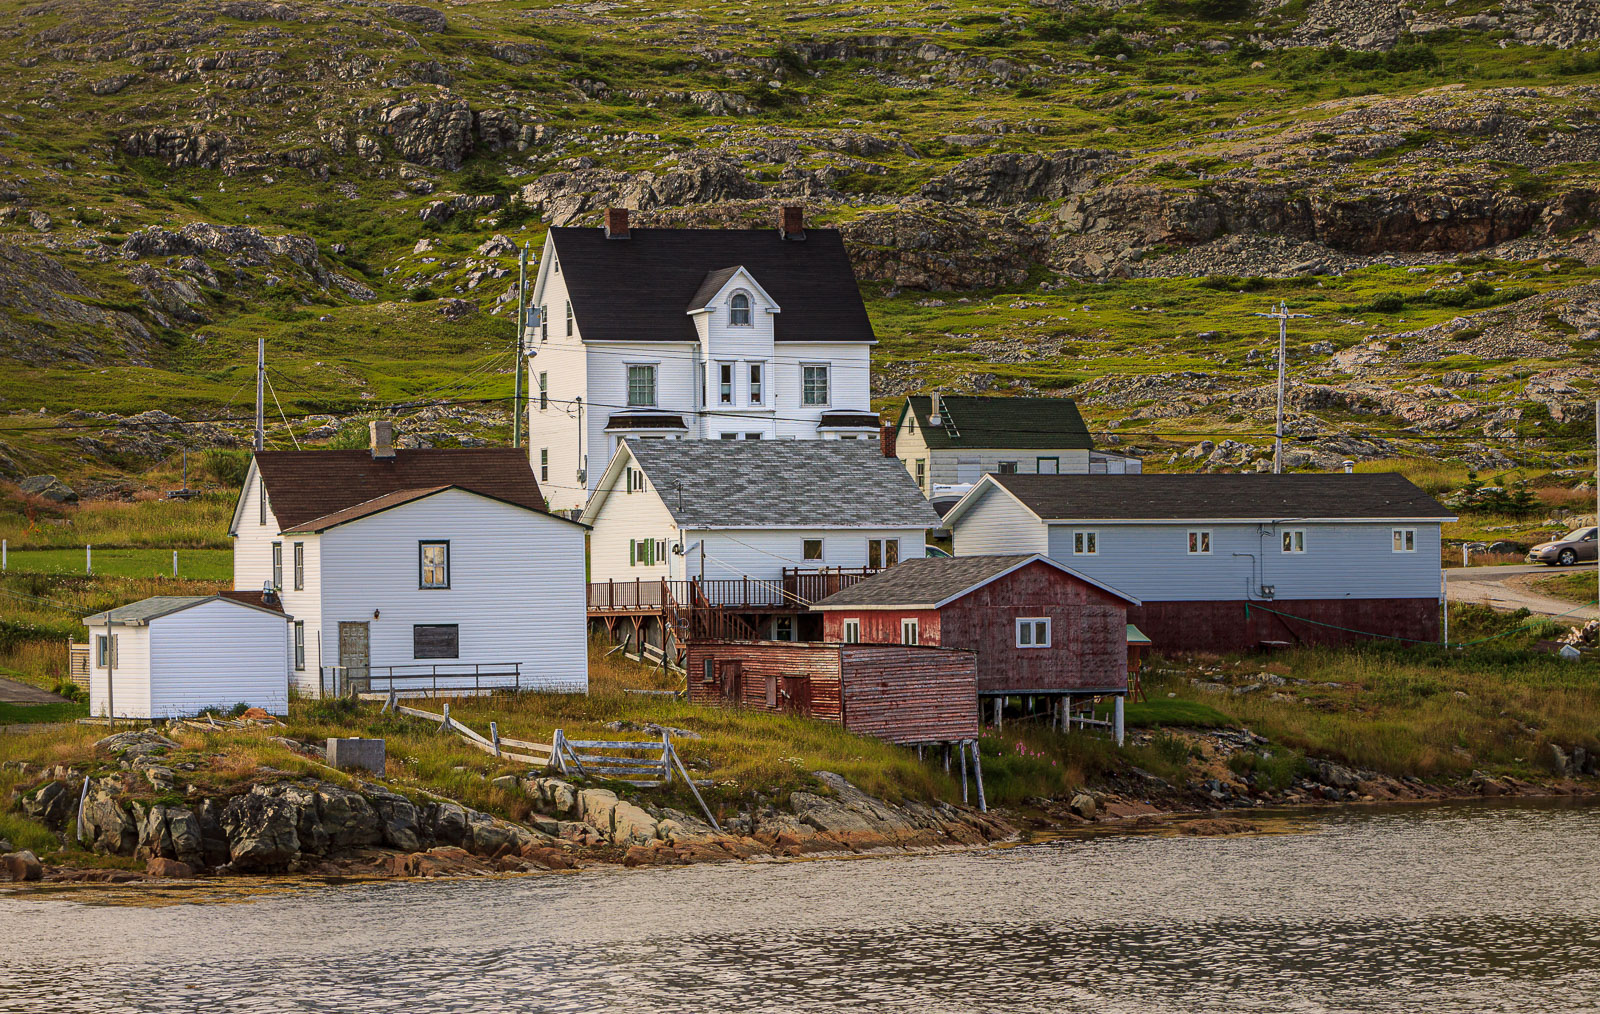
88 561
494 737
5 550
961 748
444 726
947 758
977 771
174 563
999 711
1117 708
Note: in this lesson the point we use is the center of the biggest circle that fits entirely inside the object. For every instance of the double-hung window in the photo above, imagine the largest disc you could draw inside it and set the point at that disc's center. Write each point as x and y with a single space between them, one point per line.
1199 542
299 644
814 385
1294 540
434 562
739 310
922 474
1085 543
1405 540
105 651
882 553
642 385
277 566
299 566
725 383
544 464
757 376
852 631
569 318
908 630
544 323
1033 632
544 392
262 498
646 552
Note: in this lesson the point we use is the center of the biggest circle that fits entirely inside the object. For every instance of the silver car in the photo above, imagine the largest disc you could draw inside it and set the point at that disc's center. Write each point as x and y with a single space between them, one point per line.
1567 550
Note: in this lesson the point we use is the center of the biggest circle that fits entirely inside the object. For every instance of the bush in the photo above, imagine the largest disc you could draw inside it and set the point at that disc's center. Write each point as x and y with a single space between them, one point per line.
227 467
422 294
1111 44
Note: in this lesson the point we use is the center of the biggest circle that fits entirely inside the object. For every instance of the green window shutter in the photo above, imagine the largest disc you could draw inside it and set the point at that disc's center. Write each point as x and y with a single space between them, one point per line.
633 552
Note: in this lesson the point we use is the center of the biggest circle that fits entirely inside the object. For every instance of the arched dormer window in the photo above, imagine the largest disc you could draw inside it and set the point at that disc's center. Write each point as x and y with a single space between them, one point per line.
739 310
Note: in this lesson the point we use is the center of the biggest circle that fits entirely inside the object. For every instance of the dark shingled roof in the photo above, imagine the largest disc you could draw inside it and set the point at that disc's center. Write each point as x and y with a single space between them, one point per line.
783 484
1002 423
637 421
931 581
304 486
1251 496
641 288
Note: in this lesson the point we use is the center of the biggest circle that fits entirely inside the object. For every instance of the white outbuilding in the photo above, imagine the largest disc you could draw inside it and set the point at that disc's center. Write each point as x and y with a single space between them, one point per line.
173 655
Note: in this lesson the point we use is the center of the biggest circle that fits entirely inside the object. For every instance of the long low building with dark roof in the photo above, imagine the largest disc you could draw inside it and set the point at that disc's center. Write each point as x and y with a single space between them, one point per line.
1231 562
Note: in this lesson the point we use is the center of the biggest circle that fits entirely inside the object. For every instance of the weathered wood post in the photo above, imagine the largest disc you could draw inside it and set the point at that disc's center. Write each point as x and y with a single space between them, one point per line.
494 737
1117 708
961 748
977 772
174 563
88 558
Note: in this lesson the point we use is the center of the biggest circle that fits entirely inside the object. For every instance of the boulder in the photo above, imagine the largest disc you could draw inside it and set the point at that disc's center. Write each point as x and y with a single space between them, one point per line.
22 865
398 819
631 825
48 487
347 818
444 861
1083 805
131 746
109 826
449 822
169 869
1559 760
261 830
50 804
595 807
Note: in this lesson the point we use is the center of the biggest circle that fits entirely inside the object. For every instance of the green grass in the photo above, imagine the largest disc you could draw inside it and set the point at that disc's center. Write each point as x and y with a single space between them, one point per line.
1578 588
194 564
1160 711
26 714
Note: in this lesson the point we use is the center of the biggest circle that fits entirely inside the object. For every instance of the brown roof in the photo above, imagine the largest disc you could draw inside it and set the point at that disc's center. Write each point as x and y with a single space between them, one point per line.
361 510
307 486
255 598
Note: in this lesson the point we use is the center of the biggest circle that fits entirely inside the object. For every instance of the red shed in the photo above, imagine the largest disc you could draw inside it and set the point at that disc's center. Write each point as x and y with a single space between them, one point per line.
1038 627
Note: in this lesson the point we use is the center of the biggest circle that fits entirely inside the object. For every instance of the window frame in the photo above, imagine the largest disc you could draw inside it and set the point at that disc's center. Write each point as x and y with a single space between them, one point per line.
851 632
758 383
783 628
1294 540
277 565
544 464
102 651
1086 542
655 388
299 566
1038 464
1031 624
569 318
921 473
440 626
423 545
299 645
734 309
544 390
805 550
726 388
885 548
1006 468
261 491
1402 540
1199 541
807 399
544 322
910 627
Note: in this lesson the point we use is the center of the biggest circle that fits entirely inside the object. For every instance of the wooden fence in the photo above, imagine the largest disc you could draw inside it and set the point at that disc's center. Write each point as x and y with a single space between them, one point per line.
520 750
645 763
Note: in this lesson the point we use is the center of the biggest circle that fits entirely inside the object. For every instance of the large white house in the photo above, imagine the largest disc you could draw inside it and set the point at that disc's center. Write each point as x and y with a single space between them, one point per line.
721 334
408 565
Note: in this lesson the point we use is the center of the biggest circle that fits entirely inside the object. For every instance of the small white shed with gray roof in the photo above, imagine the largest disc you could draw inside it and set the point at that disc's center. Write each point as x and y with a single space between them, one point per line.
173 655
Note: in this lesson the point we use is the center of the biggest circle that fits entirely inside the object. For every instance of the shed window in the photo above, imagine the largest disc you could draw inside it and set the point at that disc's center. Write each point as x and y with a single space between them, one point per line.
783 628
1294 540
882 553
757 377
811 549
1199 542
1085 543
102 651
852 631
435 560
814 385
908 631
299 644
544 323
708 671
299 566
642 386
1405 540
277 566
739 310
1033 632
436 640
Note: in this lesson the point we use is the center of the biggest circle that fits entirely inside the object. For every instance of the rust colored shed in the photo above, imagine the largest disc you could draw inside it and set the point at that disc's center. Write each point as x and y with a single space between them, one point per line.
901 693
1037 626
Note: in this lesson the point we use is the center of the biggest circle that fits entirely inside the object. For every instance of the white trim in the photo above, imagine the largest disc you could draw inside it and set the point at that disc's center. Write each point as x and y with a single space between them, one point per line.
911 625
1031 623
1411 536
1090 539
1201 546
740 272
1288 539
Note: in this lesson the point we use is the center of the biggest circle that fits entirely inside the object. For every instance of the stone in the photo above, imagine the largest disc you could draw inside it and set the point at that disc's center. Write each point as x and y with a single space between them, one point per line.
449 823
22 865
50 804
48 487
595 807
631 825
353 754
1559 760
1083 805
443 861
170 869
262 832
347 818
107 823
398 819
133 745
506 783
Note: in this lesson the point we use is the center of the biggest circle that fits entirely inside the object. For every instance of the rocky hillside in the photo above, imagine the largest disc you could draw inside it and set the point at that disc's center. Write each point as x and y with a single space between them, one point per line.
1084 198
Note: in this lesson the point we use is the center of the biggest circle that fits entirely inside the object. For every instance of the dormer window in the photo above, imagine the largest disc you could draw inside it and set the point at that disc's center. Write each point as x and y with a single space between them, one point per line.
739 310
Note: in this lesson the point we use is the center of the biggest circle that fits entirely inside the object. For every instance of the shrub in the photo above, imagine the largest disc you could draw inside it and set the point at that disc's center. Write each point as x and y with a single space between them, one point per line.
422 294
1111 44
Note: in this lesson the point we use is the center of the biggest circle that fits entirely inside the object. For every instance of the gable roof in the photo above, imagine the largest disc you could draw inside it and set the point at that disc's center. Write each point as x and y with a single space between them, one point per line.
305 486
637 289
933 582
969 421
1258 496
140 613
777 484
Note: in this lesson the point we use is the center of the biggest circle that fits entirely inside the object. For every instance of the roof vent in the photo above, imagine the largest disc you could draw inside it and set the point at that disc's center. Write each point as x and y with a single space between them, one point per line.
616 223
935 411
1349 466
792 222
382 431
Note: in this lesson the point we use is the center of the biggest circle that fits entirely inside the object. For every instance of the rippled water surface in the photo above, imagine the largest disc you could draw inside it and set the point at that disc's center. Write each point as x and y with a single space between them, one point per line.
1468 909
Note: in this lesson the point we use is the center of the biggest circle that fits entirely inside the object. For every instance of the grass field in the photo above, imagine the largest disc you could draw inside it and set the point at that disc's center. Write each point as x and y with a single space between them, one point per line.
1578 587
26 714
193 564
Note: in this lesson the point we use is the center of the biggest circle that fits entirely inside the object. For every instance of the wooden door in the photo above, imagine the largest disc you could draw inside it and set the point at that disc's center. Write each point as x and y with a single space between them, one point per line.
797 695
730 678
355 657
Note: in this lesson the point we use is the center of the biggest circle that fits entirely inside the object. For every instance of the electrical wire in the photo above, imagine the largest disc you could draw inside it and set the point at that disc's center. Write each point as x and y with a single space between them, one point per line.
268 378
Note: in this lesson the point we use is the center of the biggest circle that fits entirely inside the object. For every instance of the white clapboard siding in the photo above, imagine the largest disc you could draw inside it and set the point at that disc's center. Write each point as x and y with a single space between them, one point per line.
218 654
516 586
765 553
631 516
997 523
132 674
305 605
252 542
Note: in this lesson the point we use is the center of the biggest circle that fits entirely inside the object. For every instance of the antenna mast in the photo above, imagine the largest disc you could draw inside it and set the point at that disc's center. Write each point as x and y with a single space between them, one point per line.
1282 315
261 405
522 302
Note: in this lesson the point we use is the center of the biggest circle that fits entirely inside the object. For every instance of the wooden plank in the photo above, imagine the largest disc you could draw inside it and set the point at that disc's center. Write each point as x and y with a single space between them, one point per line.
526 745
610 772
418 713
602 744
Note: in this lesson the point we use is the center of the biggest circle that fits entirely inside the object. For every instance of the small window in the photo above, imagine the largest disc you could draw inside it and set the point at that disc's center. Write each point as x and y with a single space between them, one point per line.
569 318
922 474
262 490
882 553
727 436
708 670
436 640
739 310
544 323
783 628
1008 468
908 631
1405 540
754 436
811 549
814 385
634 479
102 651
544 392
1199 542
555 265
544 464
1294 540
757 378
1033 632
1085 543
435 557
277 565
642 552
299 566
725 383
852 631
642 386
1048 466
299 644
661 550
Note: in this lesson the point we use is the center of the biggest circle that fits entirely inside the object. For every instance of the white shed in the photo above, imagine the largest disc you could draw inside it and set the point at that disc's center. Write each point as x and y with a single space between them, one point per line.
173 655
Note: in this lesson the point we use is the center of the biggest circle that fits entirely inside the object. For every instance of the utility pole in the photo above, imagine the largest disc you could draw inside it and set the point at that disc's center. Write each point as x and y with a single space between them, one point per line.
261 405
521 331
1282 315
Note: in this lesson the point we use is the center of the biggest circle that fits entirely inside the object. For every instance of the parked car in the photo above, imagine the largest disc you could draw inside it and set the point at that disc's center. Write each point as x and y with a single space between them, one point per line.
1567 550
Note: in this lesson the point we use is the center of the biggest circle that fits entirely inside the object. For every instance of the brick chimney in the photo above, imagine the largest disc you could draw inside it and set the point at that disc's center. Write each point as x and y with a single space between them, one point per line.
382 431
792 222
886 434
616 223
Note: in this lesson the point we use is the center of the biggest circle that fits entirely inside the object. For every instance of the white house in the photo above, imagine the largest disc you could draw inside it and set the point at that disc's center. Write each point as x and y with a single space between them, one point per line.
722 334
415 564
747 523
174 655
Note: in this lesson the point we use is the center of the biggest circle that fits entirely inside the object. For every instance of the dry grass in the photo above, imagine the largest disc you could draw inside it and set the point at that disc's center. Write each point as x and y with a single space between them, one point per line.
201 523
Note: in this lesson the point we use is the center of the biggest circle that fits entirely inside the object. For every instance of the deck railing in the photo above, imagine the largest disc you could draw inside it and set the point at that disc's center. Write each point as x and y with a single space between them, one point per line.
794 589
448 678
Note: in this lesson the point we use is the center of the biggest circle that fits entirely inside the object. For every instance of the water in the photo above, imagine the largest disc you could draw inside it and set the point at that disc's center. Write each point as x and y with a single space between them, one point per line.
1464 908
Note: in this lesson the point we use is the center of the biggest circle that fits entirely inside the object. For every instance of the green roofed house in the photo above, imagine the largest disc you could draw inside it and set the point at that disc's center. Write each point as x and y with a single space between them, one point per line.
949 442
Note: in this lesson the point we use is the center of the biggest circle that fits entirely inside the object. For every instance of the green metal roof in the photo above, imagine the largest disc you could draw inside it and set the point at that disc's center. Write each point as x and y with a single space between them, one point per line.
1137 636
969 421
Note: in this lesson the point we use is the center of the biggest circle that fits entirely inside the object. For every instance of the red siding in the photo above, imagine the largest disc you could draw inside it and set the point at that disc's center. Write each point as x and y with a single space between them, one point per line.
1088 632
817 665
1224 626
